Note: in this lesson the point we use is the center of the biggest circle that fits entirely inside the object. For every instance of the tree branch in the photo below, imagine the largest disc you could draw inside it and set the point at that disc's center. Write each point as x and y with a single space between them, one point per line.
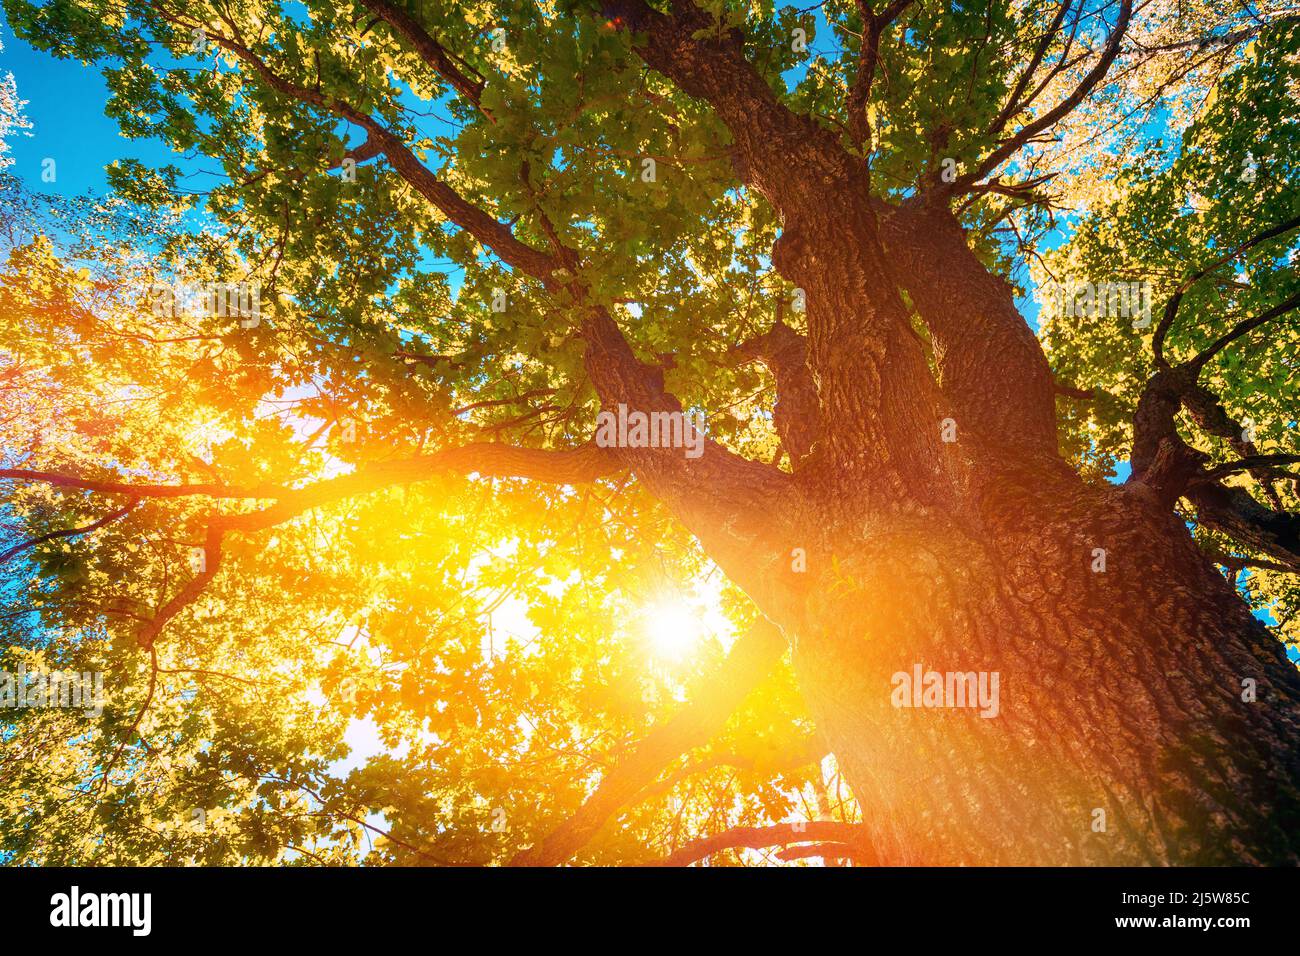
768 139
1237 564
825 851
1243 327
850 835
488 460
1163 462
751 658
183 598
869 369
1250 464
209 490
495 235
992 369
873 26
704 493
69 532
1052 116
1210 40
785 354
1171 307
1235 513
1014 104
429 49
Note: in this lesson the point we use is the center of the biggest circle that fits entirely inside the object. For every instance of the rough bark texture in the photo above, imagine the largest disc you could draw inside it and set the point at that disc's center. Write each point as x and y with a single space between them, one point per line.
1120 690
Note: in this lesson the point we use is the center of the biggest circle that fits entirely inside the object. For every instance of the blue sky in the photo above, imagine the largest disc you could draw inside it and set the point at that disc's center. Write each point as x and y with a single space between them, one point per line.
65 105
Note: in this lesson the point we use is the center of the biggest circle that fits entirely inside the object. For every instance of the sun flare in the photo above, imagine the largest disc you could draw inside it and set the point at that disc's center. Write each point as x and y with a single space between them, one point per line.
673 628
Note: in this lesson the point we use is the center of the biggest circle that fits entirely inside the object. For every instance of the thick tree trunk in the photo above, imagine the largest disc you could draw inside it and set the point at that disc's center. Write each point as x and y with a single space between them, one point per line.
1120 691
1127 731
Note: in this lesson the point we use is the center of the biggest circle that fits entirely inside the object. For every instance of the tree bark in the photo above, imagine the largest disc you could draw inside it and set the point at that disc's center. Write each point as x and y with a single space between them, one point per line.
1121 690
1125 732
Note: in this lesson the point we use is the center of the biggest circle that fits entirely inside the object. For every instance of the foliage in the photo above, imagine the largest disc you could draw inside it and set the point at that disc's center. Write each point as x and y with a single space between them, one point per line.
494 634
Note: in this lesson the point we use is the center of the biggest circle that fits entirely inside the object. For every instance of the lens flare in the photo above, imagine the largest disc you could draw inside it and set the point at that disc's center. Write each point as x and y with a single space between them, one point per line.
673 628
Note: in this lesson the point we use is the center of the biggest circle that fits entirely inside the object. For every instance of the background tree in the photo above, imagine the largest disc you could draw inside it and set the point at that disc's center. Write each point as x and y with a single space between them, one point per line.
473 226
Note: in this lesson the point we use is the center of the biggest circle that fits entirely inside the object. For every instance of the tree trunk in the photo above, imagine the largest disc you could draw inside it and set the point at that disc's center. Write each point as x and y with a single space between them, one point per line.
1144 716
1125 733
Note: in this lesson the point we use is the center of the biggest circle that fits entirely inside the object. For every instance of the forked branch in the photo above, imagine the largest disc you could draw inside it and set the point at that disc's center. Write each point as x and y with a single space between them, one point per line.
751 659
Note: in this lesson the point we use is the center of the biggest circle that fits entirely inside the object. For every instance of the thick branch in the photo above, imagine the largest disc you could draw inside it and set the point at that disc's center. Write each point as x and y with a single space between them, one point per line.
775 150
873 26
429 49
1160 459
824 851
994 375
1165 463
486 460
1254 527
496 235
785 354
1208 412
729 502
751 658
870 372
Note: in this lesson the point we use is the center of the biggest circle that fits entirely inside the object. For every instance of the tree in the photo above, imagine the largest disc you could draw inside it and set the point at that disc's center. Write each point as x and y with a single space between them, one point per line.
474 227
11 115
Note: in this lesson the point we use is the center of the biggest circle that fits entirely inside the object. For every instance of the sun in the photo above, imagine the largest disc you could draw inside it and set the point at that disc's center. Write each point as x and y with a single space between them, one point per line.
673 628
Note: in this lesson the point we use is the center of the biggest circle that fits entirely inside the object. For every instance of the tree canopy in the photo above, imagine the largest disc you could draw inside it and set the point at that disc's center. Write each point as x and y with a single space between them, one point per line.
373 504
